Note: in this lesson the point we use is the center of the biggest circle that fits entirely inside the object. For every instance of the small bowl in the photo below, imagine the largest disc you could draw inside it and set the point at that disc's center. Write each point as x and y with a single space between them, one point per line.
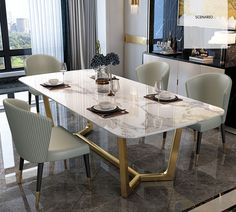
105 105
53 81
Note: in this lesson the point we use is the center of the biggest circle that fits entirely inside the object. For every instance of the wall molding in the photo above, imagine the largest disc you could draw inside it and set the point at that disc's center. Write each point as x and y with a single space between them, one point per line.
135 39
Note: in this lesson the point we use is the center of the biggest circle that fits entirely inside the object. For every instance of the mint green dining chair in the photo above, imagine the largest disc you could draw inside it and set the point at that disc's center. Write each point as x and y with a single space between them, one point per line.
214 89
40 64
38 141
149 73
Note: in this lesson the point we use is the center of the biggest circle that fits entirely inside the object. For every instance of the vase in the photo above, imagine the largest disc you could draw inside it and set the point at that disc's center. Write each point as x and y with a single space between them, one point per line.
102 79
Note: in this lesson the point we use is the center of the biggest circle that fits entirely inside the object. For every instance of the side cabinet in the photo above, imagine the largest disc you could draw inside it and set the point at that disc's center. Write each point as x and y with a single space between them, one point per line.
185 72
181 71
172 85
208 69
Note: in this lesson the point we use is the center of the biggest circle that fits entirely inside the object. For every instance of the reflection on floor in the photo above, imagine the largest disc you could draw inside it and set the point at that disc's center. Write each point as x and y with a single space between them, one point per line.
67 190
222 202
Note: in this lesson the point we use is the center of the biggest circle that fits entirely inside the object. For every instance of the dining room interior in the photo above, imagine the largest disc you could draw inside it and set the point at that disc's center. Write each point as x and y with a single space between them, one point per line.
132 102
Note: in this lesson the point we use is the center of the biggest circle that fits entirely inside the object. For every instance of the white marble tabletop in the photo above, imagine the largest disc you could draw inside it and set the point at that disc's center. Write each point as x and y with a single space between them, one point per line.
145 117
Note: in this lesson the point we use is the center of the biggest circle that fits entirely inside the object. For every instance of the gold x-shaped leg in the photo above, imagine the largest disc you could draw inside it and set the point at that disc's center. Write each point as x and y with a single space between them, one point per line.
126 185
122 163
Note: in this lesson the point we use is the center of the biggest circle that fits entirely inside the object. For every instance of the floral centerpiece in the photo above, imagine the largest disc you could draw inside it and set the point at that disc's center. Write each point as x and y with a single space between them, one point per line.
101 64
101 60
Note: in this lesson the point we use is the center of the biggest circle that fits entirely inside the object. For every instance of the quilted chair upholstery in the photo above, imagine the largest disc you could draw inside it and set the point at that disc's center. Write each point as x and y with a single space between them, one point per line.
38 141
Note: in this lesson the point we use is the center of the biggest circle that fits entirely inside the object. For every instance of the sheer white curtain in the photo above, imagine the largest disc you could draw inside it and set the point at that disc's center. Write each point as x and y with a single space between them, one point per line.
46 27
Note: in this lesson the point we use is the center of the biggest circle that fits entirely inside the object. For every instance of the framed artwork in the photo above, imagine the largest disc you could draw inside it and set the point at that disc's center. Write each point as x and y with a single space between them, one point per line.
232 9
180 8
180 12
231 13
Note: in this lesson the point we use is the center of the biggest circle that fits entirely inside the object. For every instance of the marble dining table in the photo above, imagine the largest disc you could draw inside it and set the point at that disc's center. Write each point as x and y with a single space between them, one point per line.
145 117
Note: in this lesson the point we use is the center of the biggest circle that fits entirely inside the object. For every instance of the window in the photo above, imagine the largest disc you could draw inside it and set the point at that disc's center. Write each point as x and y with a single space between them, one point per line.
2 65
163 23
15 34
159 19
18 61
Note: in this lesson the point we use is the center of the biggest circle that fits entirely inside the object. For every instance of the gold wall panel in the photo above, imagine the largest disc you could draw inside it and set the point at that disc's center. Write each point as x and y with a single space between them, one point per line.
135 39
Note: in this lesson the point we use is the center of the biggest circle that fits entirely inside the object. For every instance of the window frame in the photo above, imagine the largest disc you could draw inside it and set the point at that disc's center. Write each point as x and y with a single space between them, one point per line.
7 53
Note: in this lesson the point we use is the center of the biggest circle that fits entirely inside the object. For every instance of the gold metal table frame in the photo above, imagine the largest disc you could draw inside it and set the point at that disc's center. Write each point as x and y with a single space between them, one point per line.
122 163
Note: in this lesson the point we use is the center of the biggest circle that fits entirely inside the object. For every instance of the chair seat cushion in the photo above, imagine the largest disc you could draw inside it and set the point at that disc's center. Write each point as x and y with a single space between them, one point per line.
64 145
208 124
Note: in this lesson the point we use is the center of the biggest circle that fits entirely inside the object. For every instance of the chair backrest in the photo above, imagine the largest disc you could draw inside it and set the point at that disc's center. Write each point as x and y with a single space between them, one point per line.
149 73
41 64
30 132
211 88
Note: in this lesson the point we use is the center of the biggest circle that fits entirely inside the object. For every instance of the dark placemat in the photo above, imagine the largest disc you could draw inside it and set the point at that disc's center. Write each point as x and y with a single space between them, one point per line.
49 87
152 97
113 78
106 114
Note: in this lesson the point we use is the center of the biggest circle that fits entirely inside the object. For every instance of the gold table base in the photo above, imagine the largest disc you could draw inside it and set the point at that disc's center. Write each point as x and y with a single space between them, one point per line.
122 163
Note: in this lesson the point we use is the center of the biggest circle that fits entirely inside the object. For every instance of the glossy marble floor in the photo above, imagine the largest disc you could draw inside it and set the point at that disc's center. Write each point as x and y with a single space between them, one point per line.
67 190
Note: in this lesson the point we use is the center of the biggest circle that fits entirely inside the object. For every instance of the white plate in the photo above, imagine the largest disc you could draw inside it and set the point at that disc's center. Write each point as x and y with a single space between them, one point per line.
165 97
50 84
107 109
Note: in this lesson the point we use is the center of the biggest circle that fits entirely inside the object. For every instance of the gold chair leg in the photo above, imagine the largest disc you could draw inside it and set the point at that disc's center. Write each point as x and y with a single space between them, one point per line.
89 183
224 148
19 177
37 198
196 159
